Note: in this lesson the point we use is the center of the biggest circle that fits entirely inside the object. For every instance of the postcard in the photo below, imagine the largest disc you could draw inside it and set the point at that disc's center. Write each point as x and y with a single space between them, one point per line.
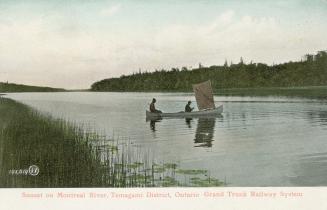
190 104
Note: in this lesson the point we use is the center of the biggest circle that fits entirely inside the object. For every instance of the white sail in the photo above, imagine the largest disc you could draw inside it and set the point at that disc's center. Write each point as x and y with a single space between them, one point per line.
204 95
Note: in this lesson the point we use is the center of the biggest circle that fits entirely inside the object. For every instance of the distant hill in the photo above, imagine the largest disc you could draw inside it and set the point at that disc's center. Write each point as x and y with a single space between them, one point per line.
11 87
310 71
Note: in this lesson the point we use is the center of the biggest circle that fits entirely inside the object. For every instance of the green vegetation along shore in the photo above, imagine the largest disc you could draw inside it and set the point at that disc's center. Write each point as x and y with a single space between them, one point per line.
11 87
311 71
67 156
314 92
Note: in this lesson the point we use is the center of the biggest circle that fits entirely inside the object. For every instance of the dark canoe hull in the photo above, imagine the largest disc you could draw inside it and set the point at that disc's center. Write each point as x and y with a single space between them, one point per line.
203 113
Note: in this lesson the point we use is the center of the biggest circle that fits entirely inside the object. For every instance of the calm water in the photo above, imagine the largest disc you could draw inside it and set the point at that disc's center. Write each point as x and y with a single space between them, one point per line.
258 141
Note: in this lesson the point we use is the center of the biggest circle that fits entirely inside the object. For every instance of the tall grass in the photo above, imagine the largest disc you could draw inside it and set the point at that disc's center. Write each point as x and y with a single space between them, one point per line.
67 156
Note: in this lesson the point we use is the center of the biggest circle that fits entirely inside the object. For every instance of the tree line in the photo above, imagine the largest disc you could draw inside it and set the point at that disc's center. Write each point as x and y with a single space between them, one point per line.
11 87
310 71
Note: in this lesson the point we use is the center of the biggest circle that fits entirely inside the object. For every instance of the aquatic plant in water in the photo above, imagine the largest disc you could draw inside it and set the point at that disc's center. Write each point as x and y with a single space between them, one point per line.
68 156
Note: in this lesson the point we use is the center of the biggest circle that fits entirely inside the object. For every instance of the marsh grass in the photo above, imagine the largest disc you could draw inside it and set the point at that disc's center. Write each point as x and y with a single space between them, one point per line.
68 156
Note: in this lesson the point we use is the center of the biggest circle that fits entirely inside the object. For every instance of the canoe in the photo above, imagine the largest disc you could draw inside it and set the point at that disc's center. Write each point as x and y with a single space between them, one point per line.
203 113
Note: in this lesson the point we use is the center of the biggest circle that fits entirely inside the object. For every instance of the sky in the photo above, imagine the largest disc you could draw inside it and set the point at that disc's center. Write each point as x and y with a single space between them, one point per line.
73 43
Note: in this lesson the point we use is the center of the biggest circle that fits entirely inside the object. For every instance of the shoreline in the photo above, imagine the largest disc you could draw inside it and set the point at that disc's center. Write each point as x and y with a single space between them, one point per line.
38 150
311 92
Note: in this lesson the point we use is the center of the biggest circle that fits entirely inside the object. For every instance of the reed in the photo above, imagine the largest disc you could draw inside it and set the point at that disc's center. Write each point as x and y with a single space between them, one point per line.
68 156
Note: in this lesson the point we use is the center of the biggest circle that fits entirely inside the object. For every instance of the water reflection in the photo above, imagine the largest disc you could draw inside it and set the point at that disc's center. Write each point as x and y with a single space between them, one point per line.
318 116
204 132
153 124
253 132
188 122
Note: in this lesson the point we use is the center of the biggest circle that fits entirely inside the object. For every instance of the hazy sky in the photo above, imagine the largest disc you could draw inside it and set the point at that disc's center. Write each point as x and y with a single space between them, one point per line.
73 43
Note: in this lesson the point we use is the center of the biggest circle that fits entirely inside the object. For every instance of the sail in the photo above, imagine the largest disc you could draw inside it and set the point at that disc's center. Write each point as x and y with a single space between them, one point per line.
203 95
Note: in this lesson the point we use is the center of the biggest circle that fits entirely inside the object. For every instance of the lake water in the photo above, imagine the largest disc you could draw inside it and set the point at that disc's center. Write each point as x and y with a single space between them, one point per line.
258 141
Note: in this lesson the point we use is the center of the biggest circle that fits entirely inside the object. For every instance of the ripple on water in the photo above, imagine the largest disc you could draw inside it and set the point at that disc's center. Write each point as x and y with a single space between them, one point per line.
311 170
259 141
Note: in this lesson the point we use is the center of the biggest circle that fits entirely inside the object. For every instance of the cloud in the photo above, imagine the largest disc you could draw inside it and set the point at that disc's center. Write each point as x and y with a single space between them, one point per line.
263 39
221 21
51 52
110 11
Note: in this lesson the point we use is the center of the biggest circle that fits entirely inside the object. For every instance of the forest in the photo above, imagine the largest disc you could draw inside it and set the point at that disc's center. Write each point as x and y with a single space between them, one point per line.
11 87
310 71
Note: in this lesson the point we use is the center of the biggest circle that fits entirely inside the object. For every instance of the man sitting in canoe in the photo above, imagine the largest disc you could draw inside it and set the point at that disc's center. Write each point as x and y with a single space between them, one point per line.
153 108
188 107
